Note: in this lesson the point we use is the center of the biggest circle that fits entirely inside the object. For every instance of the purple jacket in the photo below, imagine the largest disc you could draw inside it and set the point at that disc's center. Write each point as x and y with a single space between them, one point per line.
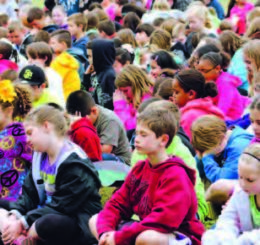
15 156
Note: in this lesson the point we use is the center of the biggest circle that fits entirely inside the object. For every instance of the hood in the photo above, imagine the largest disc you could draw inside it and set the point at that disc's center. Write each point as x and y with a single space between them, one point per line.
176 161
51 28
78 54
227 77
103 54
7 65
240 134
83 122
204 105
65 60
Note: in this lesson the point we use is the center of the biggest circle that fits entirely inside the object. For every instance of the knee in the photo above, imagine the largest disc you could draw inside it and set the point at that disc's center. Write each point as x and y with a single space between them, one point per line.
151 237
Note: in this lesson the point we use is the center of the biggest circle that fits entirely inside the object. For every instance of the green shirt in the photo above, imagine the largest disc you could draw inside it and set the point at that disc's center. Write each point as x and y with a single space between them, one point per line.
47 97
255 212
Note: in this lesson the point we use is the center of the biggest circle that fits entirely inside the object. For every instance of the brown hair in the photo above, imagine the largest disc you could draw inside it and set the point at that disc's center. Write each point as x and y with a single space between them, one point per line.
252 51
253 27
226 25
40 50
137 79
34 13
15 25
163 88
79 19
207 132
100 13
22 103
166 105
3 32
42 36
11 75
147 28
131 21
231 42
160 121
107 26
52 115
4 19
6 49
168 25
127 36
92 20
161 38
62 36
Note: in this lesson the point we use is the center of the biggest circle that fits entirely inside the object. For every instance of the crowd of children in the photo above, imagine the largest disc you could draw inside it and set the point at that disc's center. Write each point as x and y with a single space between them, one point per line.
165 93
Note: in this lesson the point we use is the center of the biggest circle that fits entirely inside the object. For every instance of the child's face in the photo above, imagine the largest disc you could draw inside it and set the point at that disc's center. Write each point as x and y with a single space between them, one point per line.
208 70
117 66
58 17
179 96
250 64
37 136
37 61
146 141
180 38
56 46
16 37
73 28
38 24
90 56
196 24
127 91
249 179
141 38
255 122
155 69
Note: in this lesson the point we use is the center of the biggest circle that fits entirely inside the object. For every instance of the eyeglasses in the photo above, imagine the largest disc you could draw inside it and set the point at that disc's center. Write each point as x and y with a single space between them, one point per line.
206 71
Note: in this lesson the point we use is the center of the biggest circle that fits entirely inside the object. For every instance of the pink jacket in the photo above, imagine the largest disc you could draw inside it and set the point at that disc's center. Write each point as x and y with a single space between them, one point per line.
195 109
7 65
229 100
241 13
127 113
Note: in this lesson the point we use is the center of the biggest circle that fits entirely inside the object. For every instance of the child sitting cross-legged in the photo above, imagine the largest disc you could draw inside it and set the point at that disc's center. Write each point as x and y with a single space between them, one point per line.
160 190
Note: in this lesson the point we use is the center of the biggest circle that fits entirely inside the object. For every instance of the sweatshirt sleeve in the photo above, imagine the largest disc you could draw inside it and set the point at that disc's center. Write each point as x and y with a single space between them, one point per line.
167 214
125 113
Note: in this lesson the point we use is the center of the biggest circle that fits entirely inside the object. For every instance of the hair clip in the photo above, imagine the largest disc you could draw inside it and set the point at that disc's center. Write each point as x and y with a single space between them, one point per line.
7 92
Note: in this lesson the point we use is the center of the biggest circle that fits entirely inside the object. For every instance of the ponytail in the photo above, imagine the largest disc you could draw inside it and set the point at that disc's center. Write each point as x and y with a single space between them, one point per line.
192 79
221 58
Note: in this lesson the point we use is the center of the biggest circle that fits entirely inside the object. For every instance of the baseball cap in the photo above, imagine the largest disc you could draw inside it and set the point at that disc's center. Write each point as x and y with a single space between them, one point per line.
32 75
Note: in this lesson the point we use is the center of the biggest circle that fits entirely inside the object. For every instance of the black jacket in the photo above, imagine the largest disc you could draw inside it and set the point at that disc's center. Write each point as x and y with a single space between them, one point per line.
76 195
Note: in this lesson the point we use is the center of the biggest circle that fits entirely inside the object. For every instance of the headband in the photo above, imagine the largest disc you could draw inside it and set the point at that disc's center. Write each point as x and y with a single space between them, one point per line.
247 153
7 93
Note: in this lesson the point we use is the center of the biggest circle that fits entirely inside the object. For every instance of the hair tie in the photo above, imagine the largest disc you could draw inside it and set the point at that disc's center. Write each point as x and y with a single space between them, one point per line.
7 92
247 153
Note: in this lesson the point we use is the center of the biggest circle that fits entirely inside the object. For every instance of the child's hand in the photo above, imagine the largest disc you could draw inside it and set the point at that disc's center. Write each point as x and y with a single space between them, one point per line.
107 238
90 69
11 230
118 95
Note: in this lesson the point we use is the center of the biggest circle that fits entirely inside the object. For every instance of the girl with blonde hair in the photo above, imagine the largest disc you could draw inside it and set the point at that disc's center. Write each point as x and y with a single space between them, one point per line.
133 87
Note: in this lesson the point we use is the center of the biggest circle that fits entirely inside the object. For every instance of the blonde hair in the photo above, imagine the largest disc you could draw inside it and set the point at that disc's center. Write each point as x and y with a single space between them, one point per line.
127 36
252 50
253 14
200 11
79 19
251 154
161 5
253 27
52 115
137 79
207 132
177 29
161 38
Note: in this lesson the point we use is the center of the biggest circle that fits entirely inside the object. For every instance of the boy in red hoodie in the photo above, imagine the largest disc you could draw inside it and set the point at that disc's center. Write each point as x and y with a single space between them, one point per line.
160 190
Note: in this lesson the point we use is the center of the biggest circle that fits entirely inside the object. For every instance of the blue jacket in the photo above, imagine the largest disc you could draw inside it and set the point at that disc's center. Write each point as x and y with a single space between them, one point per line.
225 166
218 7
243 122
81 44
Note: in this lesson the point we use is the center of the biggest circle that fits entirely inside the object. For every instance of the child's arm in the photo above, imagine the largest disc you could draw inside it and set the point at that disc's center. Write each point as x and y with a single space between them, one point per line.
228 225
171 203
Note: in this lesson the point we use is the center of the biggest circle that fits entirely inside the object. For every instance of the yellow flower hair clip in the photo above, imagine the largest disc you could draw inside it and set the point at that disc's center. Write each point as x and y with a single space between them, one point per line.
7 93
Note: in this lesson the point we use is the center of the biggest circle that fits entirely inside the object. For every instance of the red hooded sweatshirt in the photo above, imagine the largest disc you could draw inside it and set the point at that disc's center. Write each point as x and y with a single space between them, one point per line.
162 196
84 134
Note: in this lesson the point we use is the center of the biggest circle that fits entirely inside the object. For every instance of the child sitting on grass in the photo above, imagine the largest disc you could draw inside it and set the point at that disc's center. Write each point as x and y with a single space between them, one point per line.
160 190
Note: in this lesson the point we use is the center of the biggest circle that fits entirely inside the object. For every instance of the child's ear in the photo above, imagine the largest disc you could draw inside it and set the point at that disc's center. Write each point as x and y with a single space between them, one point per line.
218 68
165 139
192 94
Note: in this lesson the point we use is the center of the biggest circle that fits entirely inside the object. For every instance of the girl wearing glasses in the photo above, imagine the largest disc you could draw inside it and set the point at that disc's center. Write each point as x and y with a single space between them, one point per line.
228 99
